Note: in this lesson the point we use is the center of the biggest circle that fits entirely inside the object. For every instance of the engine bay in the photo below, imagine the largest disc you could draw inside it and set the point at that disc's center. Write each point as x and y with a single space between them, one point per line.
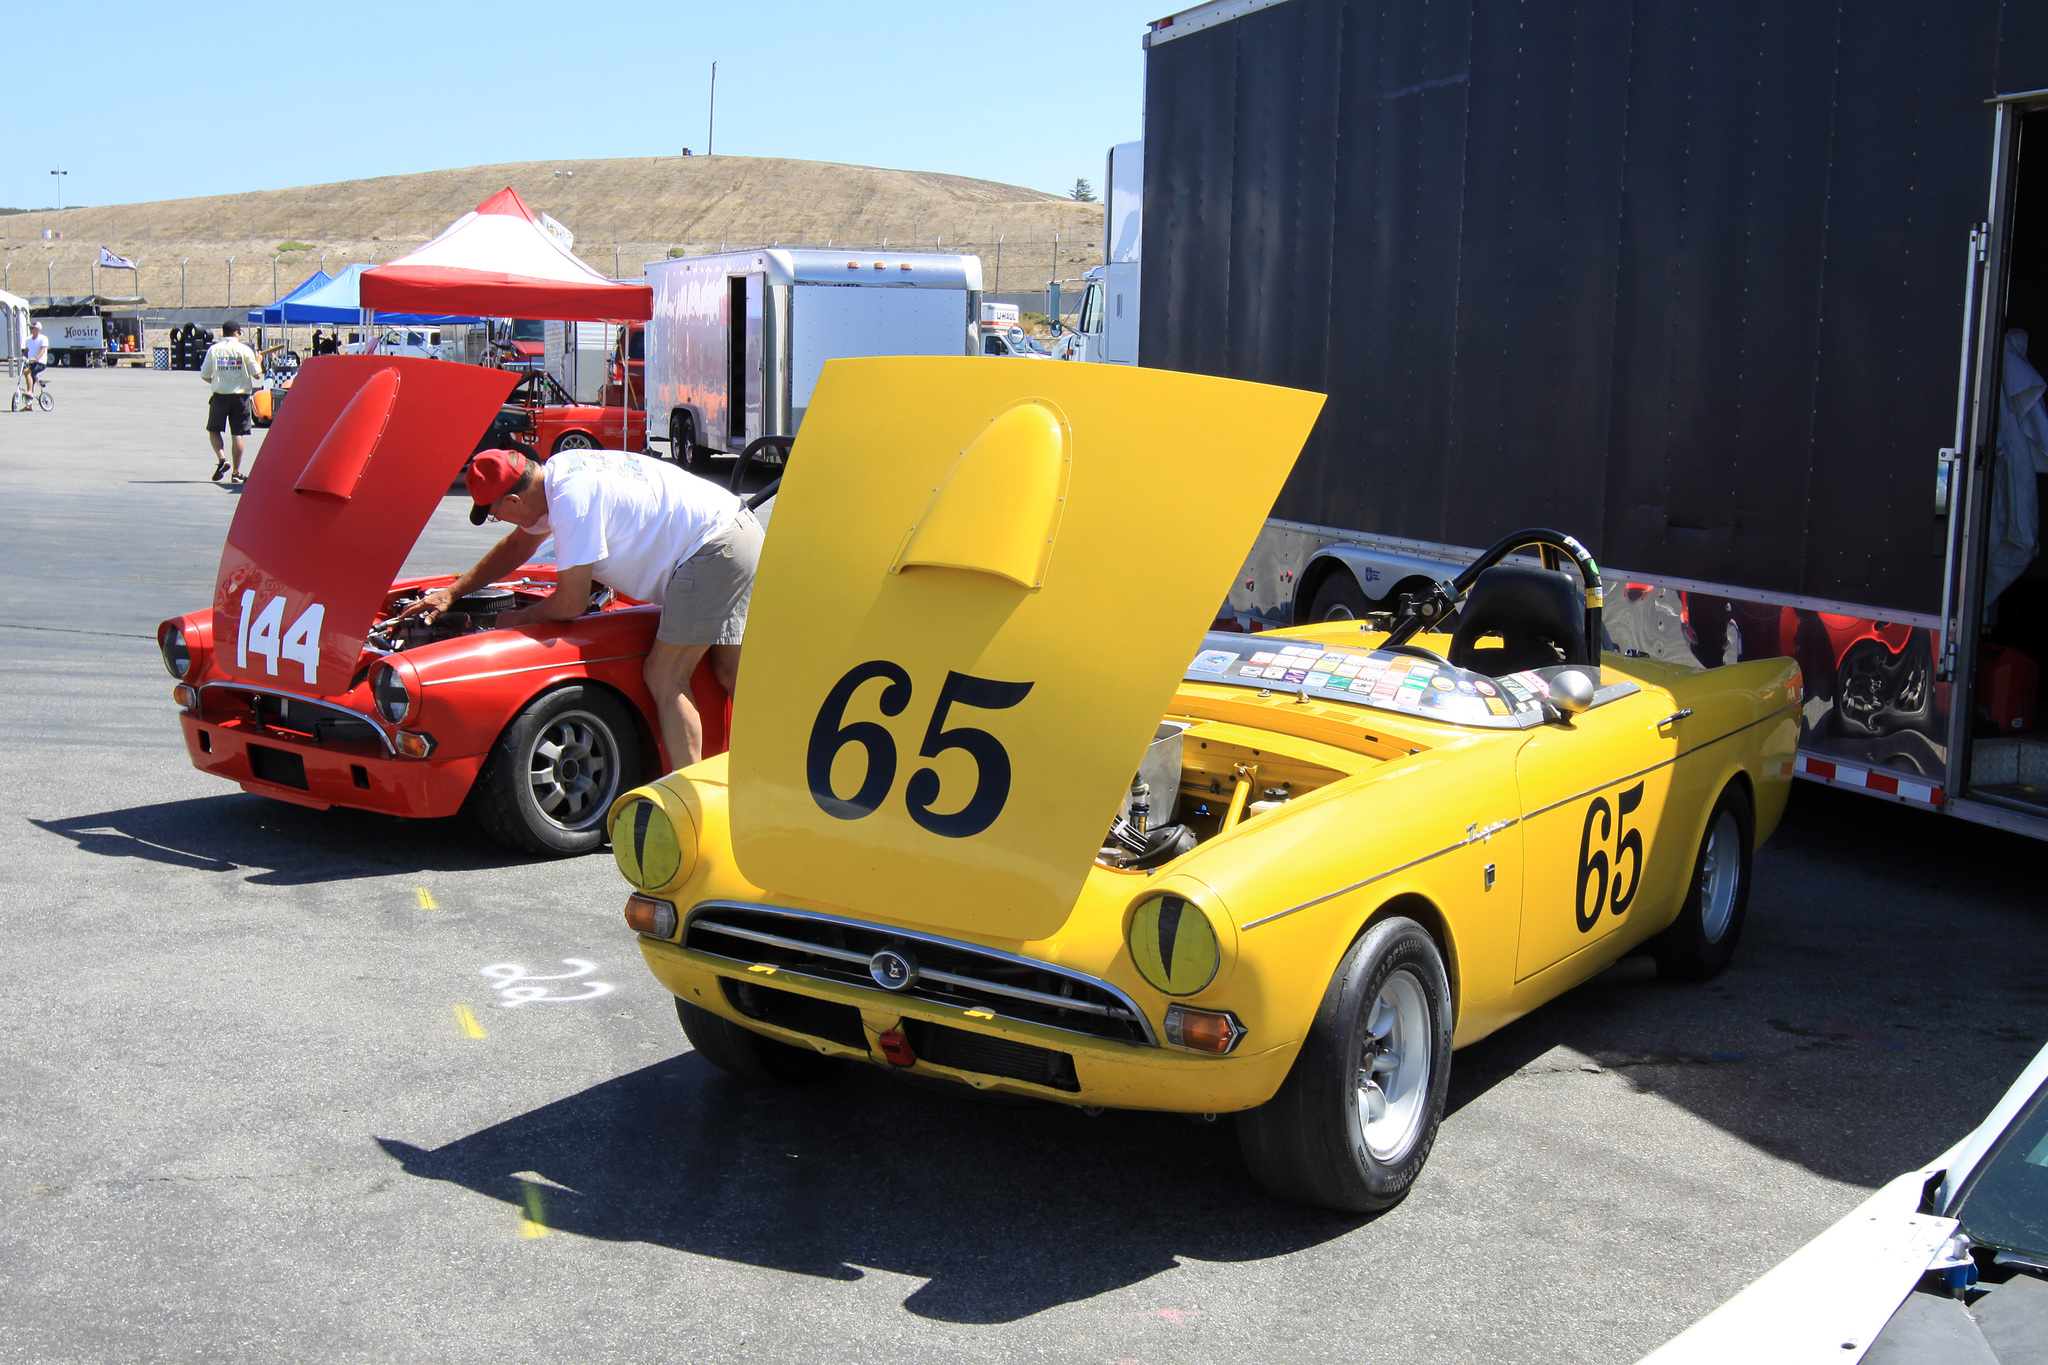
467 615
1194 784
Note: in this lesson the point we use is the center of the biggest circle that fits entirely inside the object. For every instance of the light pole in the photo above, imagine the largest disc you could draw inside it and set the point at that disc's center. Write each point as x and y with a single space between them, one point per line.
711 122
231 284
181 280
60 201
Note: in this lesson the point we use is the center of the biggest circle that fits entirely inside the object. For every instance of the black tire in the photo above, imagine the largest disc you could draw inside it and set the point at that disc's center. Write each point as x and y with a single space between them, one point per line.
574 440
1339 598
554 803
1702 939
1307 1144
45 400
682 440
747 1055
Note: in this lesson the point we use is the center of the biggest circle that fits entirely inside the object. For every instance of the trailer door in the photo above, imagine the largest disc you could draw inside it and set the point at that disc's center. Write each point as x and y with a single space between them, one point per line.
829 322
743 360
1995 604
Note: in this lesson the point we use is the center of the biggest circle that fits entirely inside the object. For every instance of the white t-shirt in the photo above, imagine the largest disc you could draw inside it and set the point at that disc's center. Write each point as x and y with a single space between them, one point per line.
38 351
230 367
631 518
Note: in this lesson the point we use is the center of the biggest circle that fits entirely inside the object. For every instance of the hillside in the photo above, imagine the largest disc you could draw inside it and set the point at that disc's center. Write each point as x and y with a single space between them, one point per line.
624 212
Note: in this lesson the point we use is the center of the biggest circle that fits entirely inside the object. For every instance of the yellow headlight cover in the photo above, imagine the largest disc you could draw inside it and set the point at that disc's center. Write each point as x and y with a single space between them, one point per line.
653 846
1173 945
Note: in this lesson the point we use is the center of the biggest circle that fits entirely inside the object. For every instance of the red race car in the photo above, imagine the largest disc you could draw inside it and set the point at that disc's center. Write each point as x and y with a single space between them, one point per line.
299 685
555 421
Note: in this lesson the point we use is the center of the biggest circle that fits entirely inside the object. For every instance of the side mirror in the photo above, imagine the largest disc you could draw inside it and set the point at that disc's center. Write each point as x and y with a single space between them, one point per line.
1571 692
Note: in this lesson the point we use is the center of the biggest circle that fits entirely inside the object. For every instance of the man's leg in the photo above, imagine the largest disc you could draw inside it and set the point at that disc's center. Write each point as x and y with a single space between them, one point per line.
235 444
667 674
220 459
725 666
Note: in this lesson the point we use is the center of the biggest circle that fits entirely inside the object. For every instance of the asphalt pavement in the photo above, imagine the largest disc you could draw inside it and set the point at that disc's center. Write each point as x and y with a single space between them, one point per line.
272 1091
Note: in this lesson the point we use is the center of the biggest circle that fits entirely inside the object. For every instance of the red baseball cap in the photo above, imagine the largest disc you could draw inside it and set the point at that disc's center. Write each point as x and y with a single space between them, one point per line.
490 477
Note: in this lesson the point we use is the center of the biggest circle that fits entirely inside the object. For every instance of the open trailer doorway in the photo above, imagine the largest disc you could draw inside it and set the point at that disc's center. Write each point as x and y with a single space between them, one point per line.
2004 607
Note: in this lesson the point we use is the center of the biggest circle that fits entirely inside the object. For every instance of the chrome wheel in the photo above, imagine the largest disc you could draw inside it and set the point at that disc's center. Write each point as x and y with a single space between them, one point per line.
573 769
1393 1068
1720 873
576 440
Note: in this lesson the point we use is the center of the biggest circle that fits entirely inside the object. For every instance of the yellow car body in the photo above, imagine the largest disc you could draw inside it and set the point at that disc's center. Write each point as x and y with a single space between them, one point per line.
1014 588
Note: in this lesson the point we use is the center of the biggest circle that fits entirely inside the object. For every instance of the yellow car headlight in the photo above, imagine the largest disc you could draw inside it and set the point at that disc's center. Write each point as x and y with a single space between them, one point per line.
1174 945
653 846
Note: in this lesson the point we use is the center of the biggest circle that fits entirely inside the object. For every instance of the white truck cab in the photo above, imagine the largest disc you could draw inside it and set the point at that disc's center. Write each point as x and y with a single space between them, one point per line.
1106 328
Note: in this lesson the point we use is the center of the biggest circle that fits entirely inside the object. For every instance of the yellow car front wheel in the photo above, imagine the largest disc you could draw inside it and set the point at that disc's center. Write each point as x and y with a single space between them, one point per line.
747 1055
1357 1115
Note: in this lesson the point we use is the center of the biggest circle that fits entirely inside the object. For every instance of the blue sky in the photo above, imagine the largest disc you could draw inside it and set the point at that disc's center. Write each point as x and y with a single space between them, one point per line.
177 100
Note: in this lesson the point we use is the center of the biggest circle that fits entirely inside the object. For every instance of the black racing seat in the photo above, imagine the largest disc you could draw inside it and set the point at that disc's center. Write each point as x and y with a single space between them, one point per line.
1538 614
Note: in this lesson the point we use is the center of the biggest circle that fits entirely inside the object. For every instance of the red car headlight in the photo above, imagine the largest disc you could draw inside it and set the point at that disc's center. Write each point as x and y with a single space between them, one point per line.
392 691
183 648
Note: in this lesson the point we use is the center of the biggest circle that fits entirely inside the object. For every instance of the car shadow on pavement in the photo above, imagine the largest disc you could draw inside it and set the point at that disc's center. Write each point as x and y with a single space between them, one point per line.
1891 983
1005 1211
279 844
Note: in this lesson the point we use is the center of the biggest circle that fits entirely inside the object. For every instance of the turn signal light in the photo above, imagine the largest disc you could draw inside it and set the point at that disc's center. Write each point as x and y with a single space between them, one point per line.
186 696
414 746
1217 1031
896 1048
646 915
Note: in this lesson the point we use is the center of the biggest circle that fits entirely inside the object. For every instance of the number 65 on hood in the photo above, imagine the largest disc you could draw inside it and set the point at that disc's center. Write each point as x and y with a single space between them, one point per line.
984 584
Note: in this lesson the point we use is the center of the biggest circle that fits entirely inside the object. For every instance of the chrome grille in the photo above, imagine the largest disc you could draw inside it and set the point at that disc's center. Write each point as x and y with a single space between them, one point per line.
961 975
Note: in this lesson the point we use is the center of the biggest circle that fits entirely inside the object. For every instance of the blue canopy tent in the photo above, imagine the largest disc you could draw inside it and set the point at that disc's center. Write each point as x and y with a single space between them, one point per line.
338 301
273 314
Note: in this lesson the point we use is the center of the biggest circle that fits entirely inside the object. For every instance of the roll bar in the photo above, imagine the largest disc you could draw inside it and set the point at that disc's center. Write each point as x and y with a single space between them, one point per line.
1556 547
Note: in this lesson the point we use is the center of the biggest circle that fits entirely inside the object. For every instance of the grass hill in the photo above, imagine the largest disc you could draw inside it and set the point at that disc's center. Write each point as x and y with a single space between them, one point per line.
624 212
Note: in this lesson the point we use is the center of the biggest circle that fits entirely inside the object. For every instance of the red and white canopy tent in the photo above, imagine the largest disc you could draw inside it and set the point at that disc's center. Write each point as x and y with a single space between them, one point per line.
498 261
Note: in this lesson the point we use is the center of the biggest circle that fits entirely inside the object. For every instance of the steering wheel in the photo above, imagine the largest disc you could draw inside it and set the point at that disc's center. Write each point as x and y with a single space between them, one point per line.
1557 547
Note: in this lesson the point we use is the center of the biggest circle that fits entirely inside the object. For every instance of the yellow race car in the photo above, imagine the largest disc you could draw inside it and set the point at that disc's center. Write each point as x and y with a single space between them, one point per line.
999 812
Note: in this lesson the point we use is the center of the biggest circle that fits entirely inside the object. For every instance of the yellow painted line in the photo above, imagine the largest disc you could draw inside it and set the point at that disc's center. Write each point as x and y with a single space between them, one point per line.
426 898
533 1218
470 1027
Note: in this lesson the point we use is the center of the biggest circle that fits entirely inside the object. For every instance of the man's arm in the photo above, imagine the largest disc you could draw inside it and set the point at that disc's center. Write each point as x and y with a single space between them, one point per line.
206 366
507 555
569 600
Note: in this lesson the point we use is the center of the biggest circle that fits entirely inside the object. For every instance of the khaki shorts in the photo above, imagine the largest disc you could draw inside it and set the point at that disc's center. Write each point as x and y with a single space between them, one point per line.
707 596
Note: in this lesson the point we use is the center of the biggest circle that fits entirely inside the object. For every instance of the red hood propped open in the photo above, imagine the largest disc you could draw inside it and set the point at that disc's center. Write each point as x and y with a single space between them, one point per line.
346 480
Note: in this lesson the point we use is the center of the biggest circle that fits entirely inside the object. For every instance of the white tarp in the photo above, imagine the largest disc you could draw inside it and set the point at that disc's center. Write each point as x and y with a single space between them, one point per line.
13 325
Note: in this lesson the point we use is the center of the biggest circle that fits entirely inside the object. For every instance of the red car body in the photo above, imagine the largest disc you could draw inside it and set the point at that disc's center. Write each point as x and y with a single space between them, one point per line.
278 680
560 423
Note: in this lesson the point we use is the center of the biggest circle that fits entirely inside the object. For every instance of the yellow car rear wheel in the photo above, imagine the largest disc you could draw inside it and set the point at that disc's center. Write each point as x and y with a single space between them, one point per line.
1357 1115
1702 939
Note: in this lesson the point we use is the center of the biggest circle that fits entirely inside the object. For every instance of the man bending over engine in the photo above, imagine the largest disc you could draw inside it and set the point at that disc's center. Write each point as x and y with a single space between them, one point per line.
643 528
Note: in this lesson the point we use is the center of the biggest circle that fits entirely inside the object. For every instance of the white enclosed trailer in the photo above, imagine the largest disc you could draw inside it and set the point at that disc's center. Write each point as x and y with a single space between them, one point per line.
737 340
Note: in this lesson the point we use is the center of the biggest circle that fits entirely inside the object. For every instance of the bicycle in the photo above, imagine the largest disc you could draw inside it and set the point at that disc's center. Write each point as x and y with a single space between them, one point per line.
20 401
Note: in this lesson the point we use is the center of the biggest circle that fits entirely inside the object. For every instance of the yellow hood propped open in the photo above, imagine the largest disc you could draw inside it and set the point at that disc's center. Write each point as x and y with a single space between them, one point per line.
983 583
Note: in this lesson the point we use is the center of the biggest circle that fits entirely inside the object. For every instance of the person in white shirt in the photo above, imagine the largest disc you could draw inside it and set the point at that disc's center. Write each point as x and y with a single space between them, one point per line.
643 528
231 370
37 355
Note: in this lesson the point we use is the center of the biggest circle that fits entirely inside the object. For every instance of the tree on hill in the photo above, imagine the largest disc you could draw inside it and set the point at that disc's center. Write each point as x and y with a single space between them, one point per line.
1082 191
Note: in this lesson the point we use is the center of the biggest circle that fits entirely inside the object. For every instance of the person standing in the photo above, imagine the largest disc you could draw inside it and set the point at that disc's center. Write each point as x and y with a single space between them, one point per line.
230 370
643 528
36 356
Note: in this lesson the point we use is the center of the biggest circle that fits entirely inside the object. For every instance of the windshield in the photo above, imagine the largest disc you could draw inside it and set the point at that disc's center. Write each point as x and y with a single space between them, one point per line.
1385 680
2005 1203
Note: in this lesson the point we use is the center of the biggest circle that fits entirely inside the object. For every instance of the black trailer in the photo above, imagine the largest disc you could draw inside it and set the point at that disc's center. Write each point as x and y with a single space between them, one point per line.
1724 290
